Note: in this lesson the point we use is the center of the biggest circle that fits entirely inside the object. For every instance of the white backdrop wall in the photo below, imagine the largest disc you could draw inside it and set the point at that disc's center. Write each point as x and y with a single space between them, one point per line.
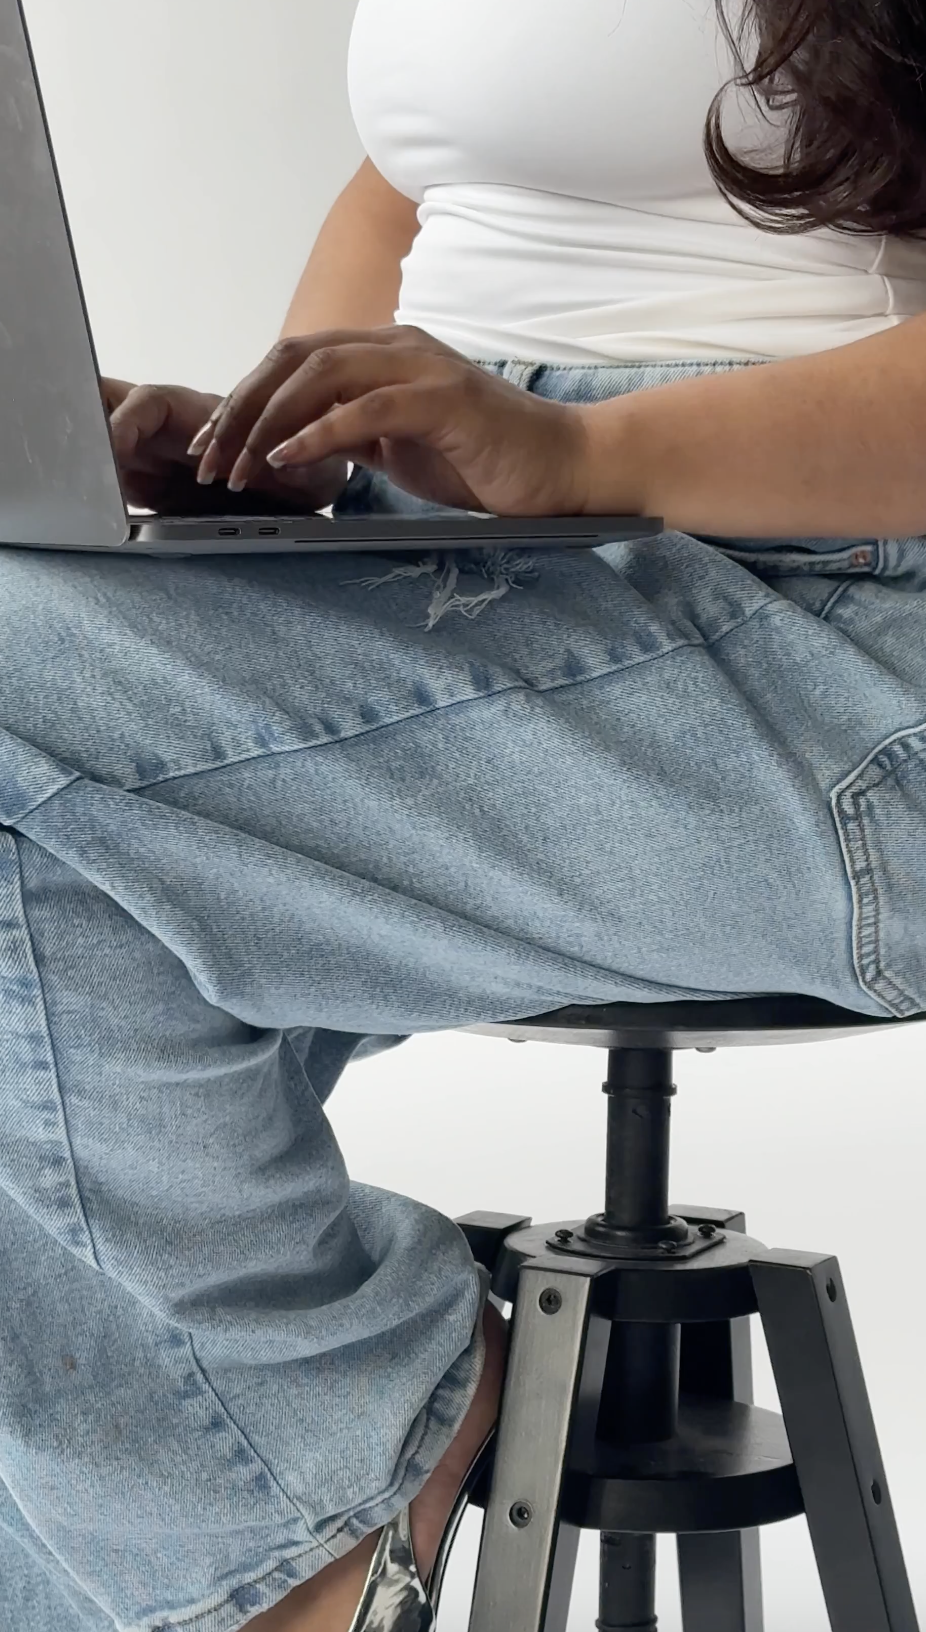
201 143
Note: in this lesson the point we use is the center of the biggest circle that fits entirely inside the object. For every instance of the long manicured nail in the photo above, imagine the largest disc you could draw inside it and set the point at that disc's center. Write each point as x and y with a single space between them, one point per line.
278 456
241 470
202 439
209 464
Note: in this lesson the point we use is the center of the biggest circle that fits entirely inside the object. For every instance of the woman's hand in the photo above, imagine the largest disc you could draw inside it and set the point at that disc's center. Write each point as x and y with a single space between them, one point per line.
398 401
151 429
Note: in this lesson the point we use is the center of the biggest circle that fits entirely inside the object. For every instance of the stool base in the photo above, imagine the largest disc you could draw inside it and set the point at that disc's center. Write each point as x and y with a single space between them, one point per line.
722 1472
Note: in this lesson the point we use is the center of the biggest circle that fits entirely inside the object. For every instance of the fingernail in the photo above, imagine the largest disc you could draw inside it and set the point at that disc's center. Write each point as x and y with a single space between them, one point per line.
209 464
278 456
240 472
202 439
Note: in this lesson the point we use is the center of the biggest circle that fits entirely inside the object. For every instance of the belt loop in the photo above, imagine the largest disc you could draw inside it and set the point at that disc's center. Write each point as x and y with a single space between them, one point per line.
518 372
887 558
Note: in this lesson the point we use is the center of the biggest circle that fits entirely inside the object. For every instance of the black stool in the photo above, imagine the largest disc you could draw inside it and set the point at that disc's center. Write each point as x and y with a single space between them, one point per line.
627 1406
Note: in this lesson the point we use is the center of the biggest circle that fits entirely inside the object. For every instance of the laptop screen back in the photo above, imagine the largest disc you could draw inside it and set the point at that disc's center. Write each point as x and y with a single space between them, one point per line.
58 478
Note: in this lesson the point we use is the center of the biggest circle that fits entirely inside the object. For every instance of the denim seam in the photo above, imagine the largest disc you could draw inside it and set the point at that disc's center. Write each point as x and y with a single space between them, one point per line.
867 936
207 1619
558 684
847 801
411 1469
50 1044
189 1623
228 1414
837 595
544 683
42 800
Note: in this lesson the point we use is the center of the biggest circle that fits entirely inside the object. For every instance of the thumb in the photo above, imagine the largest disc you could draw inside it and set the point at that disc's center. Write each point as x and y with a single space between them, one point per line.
115 393
139 418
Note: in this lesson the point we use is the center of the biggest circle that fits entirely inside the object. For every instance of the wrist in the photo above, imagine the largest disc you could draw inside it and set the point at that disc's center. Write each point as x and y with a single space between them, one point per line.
611 472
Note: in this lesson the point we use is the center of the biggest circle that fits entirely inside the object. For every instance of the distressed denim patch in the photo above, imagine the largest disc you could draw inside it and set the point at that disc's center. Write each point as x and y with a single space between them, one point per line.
507 569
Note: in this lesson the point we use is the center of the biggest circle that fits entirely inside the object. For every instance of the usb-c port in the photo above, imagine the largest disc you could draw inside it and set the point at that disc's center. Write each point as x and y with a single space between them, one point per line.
267 532
229 532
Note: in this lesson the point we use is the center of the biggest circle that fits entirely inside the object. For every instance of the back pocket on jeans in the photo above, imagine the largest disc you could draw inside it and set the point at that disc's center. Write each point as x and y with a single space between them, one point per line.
880 813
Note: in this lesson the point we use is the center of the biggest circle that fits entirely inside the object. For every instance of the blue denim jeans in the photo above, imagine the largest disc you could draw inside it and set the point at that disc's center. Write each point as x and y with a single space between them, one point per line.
258 821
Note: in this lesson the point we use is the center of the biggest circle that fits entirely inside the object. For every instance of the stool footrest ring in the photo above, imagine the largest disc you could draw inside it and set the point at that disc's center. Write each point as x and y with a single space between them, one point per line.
729 1467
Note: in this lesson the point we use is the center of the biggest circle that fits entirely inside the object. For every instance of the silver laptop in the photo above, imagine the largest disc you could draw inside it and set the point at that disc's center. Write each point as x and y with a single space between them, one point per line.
59 481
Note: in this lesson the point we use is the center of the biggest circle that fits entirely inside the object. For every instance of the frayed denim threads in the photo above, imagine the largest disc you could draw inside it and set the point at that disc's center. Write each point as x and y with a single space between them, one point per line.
508 569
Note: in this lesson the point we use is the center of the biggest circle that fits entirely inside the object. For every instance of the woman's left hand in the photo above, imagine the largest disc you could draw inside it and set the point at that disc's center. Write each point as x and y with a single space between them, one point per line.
396 400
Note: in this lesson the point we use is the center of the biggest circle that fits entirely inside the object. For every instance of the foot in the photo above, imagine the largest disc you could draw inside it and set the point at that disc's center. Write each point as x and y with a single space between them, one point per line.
328 1602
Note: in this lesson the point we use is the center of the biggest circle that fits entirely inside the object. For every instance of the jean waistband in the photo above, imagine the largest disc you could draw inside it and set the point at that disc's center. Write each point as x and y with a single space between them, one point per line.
528 372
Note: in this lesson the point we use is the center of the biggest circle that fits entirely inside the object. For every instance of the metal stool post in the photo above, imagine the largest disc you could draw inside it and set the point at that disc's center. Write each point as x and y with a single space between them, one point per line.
639 1400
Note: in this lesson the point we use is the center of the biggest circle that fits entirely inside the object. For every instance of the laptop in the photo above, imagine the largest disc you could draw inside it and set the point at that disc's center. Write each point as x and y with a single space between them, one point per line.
59 480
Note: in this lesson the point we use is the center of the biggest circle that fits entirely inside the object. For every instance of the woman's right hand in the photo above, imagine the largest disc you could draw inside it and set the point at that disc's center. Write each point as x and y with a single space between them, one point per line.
152 427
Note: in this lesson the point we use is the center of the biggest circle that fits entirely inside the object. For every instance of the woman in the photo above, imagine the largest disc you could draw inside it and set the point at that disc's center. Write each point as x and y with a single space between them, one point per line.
262 817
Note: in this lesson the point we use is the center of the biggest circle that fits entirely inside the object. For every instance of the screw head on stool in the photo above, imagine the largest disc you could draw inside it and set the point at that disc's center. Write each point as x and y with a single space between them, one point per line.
550 1300
520 1514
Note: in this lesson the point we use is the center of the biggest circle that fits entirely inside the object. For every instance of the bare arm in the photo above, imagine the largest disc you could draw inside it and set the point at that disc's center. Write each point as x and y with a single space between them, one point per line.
352 276
829 445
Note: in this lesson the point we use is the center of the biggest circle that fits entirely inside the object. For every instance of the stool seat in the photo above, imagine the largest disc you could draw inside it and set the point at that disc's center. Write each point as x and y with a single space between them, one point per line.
722 1023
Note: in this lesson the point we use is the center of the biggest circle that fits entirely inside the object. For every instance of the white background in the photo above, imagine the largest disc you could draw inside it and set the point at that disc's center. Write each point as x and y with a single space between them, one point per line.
201 143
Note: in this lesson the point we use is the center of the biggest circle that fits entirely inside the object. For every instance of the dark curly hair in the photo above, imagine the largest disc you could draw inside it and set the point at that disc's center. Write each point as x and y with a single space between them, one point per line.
853 73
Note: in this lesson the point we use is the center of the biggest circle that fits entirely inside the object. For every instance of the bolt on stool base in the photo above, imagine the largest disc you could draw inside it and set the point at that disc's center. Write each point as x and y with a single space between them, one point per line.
628 1406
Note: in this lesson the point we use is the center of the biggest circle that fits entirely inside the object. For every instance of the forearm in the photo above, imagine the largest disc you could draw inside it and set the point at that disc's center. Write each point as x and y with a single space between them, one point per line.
832 445
352 276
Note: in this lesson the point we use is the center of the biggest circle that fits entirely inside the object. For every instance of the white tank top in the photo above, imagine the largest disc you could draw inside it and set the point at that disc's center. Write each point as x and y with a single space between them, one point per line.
567 213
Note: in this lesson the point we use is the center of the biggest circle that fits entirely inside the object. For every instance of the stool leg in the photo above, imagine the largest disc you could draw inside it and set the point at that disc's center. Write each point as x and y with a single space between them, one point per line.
721 1581
549 1403
720 1574
829 1424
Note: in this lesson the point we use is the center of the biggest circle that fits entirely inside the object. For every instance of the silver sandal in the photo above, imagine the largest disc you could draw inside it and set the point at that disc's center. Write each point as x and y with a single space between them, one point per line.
395 1599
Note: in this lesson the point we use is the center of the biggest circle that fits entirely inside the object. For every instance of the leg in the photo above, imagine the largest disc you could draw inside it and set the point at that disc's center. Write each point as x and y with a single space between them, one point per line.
721 1574
828 1419
186 1265
252 814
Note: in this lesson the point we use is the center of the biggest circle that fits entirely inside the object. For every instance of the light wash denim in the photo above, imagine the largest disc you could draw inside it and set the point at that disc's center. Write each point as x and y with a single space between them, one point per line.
260 820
